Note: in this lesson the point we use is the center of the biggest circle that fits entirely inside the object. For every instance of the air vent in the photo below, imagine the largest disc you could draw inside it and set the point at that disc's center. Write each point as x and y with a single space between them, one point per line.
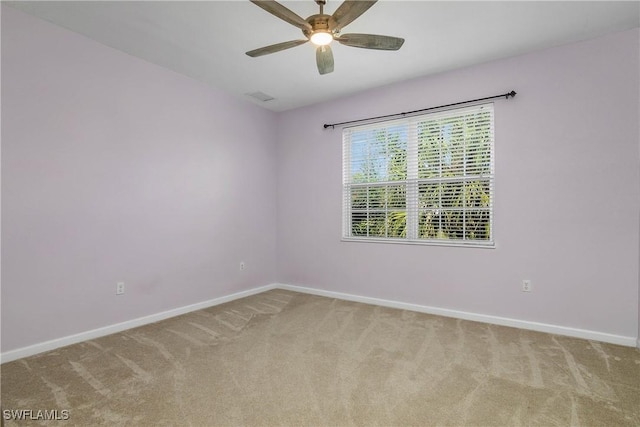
261 96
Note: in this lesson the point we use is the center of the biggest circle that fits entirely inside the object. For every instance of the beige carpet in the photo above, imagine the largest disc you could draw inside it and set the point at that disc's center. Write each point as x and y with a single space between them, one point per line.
283 358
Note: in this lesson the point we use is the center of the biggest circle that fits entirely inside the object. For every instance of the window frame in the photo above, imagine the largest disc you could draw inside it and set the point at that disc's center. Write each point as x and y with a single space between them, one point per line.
412 181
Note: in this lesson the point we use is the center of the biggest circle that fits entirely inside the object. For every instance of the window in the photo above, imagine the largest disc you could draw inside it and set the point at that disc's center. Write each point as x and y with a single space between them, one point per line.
424 179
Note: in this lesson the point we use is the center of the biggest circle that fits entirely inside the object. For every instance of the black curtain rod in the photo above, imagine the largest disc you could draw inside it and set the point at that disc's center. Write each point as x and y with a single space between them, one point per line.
505 95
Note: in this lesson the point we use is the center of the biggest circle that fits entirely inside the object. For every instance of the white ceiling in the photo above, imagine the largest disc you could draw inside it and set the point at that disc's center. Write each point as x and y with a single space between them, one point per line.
206 40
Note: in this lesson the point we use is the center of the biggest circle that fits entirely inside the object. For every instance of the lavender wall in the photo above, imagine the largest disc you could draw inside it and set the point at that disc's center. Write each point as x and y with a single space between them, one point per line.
567 185
114 169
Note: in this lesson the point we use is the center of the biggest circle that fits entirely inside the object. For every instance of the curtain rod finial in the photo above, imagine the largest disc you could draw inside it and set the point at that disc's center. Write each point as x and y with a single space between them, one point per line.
511 94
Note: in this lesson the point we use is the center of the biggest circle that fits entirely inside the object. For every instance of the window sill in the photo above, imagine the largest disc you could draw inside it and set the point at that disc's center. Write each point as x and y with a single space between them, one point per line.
483 245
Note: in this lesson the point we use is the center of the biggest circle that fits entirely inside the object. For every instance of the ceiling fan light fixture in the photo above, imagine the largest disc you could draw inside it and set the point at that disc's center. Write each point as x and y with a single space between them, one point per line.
321 38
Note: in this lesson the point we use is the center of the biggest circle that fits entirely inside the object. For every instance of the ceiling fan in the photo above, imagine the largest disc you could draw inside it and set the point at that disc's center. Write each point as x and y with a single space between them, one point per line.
322 29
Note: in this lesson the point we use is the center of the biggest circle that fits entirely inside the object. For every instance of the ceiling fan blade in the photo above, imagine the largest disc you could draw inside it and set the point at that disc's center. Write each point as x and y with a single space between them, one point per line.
275 48
350 10
324 58
276 9
371 41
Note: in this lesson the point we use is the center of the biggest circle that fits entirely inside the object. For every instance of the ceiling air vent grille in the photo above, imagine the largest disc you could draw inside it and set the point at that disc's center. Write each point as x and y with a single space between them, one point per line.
261 96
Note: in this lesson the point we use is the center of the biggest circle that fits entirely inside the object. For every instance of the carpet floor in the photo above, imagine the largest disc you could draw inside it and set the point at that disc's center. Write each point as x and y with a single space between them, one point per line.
291 359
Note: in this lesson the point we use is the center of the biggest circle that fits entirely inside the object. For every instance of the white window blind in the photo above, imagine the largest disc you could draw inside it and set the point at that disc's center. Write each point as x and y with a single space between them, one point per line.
424 179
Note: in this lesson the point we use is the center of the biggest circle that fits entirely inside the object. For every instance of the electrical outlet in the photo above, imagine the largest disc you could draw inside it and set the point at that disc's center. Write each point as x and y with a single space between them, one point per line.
242 266
119 288
526 286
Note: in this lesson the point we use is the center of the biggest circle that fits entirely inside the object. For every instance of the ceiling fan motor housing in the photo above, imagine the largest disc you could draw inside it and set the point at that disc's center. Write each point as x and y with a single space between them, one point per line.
320 22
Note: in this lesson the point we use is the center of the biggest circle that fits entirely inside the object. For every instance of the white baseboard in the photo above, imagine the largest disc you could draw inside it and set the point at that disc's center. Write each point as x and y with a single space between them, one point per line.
503 321
119 327
515 323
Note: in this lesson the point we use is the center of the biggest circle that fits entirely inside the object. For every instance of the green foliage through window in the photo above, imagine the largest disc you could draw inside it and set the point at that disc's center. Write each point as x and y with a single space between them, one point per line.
424 179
